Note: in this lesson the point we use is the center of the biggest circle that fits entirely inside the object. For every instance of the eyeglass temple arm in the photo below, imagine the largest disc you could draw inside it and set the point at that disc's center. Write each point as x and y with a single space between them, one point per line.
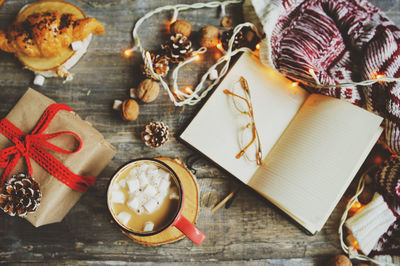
240 154
226 91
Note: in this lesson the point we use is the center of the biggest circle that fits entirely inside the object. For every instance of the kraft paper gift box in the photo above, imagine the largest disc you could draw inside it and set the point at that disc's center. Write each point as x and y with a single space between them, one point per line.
90 160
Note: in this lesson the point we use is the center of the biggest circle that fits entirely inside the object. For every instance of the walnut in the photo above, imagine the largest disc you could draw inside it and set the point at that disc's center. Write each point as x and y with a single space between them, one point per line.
148 90
340 260
129 110
181 26
209 36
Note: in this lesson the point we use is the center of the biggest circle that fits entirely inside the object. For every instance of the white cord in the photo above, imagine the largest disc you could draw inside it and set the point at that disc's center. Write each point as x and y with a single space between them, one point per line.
200 91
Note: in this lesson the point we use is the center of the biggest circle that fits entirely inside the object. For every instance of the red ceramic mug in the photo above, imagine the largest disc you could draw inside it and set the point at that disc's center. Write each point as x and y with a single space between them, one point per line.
178 220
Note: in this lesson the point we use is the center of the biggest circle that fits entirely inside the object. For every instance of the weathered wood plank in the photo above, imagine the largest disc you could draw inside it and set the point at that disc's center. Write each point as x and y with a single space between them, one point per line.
252 230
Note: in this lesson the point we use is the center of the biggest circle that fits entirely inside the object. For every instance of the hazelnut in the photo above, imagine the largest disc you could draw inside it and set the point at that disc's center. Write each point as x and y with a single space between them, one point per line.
209 36
340 260
148 90
226 22
181 26
129 110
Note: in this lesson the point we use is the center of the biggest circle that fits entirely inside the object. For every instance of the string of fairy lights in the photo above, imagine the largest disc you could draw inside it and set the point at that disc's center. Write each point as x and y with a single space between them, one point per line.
186 96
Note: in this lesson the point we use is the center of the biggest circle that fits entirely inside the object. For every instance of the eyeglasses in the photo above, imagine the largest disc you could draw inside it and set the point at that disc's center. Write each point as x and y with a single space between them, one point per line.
242 102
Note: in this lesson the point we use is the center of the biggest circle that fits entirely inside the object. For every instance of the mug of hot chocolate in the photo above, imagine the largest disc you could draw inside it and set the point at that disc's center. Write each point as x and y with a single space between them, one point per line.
145 197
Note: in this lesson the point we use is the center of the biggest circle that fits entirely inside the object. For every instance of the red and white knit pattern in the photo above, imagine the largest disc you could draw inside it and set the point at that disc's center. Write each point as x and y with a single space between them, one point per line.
342 41
388 178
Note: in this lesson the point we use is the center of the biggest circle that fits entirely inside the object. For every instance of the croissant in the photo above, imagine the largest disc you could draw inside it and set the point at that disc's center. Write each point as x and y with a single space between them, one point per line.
46 34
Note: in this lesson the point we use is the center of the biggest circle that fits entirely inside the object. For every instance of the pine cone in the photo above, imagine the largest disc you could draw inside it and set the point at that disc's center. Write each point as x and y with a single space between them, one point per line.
155 134
160 66
245 38
20 195
178 48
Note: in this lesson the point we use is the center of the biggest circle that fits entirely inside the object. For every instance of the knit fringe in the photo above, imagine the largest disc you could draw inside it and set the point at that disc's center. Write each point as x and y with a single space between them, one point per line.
370 223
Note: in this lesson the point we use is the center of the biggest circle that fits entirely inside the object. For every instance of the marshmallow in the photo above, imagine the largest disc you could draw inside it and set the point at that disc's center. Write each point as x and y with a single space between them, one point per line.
150 206
152 173
39 80
116 186
122 183
117 105
133 203
164 185
132 93
133 184
148 226
76 46
173 195
143 168
160 199
139 210
117 196
213 74
148 186
155 181
143 180
134 172
163 174
150 191
124 217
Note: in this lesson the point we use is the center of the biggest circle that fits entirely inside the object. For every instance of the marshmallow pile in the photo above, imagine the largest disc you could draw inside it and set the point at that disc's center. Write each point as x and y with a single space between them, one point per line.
148 186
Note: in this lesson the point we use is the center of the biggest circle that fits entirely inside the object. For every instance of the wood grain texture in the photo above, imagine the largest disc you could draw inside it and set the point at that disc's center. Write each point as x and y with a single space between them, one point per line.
251 231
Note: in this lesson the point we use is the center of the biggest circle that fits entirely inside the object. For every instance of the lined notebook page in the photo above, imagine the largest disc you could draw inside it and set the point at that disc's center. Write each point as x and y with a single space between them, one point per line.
216 129
316 158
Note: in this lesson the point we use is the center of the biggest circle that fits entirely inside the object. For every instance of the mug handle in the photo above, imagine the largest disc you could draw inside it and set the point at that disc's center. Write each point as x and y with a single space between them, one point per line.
189 229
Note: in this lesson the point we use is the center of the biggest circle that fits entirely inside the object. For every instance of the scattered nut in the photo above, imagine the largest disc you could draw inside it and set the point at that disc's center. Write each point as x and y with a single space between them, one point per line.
148 90
209 36
340 260
181 26
226 22
130 110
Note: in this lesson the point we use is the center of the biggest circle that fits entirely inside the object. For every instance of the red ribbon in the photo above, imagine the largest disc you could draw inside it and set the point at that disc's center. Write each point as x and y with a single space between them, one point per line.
35 145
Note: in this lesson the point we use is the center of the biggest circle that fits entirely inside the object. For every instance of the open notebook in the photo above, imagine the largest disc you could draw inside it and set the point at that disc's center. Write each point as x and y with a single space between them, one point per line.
313 145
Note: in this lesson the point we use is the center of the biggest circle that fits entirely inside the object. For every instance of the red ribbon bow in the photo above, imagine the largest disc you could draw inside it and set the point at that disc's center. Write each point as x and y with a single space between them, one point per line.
35 145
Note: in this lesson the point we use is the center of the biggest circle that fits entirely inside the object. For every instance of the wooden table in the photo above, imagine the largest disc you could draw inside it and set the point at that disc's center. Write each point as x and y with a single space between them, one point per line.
252 230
